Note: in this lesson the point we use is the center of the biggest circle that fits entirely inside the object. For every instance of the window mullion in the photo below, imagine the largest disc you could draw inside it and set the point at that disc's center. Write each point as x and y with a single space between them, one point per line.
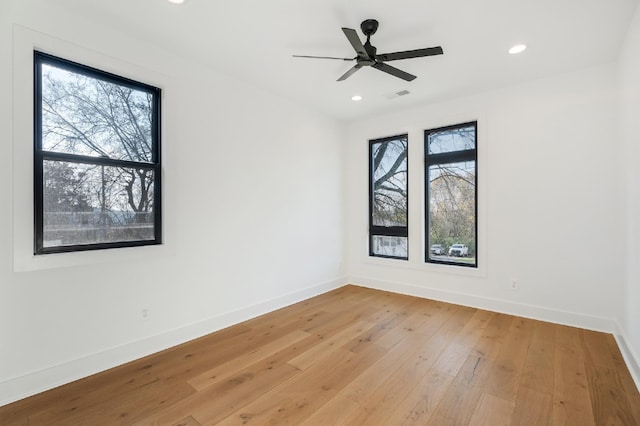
88 159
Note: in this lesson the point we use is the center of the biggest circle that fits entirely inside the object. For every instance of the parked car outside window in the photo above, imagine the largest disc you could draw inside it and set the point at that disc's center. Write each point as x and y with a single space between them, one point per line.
437 249
458 250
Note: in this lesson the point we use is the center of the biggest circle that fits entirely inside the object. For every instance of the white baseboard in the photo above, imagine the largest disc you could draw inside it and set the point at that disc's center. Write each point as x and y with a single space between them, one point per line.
496 305
631 358
39 381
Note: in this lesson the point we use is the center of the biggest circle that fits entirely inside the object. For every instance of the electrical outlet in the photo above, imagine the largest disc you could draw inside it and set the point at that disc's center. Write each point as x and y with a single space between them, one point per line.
144 312
515 284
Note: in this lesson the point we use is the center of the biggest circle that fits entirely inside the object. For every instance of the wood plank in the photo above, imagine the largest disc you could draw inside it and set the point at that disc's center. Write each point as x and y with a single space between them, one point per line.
299 398
427 352
493 411
362 387
329 300
631 392
493 337
417 407
222 371
326 347
189 421
84 394
571 401
359 356
506 373
390 328
120 409
532 407
538 369
437 314
382 400
465 335
458 321
459 403
335 412
428 319
610 401
223 398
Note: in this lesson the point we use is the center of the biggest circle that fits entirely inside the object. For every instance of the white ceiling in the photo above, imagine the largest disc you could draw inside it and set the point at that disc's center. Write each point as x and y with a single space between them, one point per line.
253 40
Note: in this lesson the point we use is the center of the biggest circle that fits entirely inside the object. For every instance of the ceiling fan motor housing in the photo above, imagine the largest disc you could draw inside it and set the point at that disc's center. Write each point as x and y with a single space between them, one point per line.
369 27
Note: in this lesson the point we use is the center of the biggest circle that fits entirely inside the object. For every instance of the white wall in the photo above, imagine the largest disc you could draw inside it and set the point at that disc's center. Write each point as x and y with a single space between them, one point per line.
252 207
551 204
552 211
629 117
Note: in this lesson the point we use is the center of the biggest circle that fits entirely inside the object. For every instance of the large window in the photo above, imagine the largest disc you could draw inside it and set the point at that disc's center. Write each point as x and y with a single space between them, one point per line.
96 159
388 199
451 186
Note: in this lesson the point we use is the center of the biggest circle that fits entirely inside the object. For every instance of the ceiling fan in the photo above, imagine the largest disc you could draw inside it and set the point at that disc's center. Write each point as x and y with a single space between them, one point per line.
367 54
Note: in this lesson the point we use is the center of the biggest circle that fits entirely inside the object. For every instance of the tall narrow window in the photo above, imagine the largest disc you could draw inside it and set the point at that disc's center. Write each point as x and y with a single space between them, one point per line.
96 159
388 197
451 185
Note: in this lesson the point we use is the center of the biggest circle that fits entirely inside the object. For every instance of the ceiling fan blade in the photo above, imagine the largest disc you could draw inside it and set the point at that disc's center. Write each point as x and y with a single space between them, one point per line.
394 71
349 73
353 38
418 53
324 57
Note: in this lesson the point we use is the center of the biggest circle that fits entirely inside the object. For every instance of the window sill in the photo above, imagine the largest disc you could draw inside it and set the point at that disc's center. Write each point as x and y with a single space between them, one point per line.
24 262
478 272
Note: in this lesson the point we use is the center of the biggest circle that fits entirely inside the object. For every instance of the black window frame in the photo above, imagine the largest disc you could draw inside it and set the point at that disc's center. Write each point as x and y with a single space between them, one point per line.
40 155
387 231
447 158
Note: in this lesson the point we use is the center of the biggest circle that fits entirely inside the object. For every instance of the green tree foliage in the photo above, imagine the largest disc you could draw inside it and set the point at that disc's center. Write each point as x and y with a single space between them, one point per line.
452 205
63 189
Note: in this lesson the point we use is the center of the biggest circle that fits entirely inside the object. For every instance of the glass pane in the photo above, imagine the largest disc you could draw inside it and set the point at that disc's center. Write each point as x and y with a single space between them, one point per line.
456 139
389 165
87 116
389 246
89 204
452 212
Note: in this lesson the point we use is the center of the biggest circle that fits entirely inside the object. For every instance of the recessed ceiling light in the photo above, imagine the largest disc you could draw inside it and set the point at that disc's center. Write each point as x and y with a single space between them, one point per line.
356 98
176 1
517 49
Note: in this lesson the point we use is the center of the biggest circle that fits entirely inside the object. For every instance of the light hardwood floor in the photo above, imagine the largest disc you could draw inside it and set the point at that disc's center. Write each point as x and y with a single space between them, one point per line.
358 356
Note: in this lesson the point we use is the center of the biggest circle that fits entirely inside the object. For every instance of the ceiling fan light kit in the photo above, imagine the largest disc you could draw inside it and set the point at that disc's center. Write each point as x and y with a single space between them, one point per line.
367 56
